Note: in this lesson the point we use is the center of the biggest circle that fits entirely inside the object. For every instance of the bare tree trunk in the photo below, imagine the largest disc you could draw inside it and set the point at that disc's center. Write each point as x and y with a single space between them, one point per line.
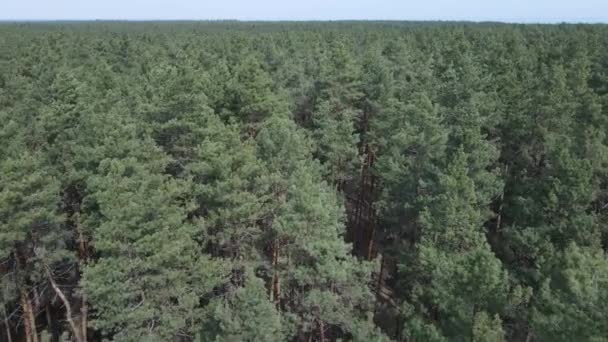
51 324
36 299
273 253
84 311
84 258
370 243
29 320
379 284
275 287
49 319
68 308
355 228
529 336
6 325
72 199
501 205
371 223
398 327
322 330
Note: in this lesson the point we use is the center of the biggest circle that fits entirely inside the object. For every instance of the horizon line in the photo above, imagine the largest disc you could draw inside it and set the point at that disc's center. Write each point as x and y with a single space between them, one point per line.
455 20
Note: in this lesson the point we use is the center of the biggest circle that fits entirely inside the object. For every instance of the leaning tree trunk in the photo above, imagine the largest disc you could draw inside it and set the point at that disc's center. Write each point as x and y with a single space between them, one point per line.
68 307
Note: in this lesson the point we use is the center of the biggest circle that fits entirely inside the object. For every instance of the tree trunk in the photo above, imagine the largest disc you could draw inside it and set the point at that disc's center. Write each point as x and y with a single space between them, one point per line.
84 259
501 205
356 226
29 320
379 284
72 199
84 311
322 331
371 220
370 243
55 332
7 325
275 291
273 262
361 242
68 309
275 284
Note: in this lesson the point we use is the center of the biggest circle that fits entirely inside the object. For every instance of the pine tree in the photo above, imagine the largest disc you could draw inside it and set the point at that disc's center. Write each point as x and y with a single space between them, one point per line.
244 314
30 241
315 280
413 144
455 273
229 189
569 301
335 113
250 95
150 275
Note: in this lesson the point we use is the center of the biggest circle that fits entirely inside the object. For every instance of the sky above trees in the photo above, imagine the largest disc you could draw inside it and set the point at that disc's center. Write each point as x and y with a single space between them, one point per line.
476 10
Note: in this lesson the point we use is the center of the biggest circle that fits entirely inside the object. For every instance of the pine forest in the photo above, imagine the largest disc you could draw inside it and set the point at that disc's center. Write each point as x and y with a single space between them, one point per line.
303 181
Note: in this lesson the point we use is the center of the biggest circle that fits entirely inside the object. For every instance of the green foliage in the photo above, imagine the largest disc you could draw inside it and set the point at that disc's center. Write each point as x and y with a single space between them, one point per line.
487 329
324 282
244 314
250 93
304 181
150 273
413 143
456 274
569 305
229 188
28 202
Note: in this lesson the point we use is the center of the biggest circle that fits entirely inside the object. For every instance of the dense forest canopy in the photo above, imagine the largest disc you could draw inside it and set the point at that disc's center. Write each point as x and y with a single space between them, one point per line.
353 181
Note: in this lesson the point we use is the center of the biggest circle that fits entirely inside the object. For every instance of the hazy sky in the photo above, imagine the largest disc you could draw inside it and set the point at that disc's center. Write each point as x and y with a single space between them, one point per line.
503 10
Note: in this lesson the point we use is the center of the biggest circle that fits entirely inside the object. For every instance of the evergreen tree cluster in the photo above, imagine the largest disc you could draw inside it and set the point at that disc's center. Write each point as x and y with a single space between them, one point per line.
345 181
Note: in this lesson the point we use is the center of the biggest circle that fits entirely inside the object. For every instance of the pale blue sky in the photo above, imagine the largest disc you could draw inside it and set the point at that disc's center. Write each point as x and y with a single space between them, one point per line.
477 10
